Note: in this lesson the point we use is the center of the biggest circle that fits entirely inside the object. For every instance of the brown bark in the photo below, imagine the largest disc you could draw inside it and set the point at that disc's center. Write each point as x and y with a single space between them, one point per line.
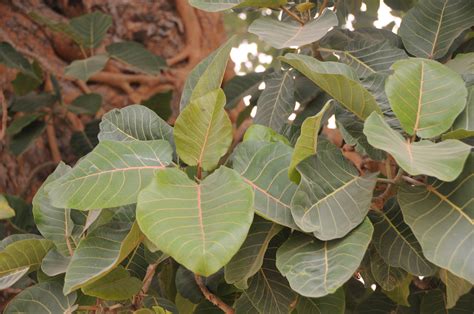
171 29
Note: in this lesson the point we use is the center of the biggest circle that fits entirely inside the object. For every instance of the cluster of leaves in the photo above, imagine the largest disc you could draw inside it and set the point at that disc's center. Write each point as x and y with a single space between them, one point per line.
183 219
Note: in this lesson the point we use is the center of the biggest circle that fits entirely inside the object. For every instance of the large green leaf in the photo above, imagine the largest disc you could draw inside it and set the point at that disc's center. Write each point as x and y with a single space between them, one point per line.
463 126
455 287
315 268
283 34
427 86
136 55
20 257
100 252
429 29
268 290
277 101
6 211
386 276
203 131
307 142
132 123
395 242
207 75
84 69
442 160
200 225
441 218
43 298
338 80
331 199
116 285
249 259
54 223
332 303
264 166
54 263
119 169
90 28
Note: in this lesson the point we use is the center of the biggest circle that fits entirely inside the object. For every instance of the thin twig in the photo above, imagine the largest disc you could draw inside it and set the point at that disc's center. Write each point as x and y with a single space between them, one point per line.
323 6
4 115
212 297
413 181
53 142
150 272
291 14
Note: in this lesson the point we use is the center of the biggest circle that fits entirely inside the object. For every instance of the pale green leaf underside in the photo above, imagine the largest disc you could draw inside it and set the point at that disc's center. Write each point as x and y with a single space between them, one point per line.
463 126
430 28
280 34
98 253
84 69
426 96
441 217
132 123
331 199
455 287
332 303
43 298
442 160
111 175
200 225
264 166
396 243
203 131
338 80
54 263
315 268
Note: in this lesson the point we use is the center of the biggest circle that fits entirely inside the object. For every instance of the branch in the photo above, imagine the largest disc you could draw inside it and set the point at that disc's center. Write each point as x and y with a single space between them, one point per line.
212 297
294 16
4 115
52 141
413 181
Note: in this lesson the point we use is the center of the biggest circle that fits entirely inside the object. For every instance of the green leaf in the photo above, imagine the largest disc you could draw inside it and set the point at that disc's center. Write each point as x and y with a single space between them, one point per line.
6 211
33 101
240 86
462 63
281 34
430 35
207 76
332 303
386 276
307 141
13 59
120 169
99 253
83 142
268 291
22 122
54 223
133 123
338 80
434 302
261 133
91 28
84 69
25 83
249 259
136 55
264 167
331 199
395 242
86 104
377 303
200 225
434 211
427 85
21 257
315 268
43 298
203 131
116 285
401 292
455 287
442 160
54 263
277 101
463 126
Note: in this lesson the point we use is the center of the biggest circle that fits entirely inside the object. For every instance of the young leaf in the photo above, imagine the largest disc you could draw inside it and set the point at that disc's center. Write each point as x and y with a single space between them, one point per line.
203 131
85 68
207 76
91 28
277 101
86 104
281 34
45 297
136 55
338 80
444 160
133 123
264 167
427 86
455 287
100 252
395 242
431 35
200 225
261 133
332 303
307 142
120 169
6 211
434 211
315 268
331 199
